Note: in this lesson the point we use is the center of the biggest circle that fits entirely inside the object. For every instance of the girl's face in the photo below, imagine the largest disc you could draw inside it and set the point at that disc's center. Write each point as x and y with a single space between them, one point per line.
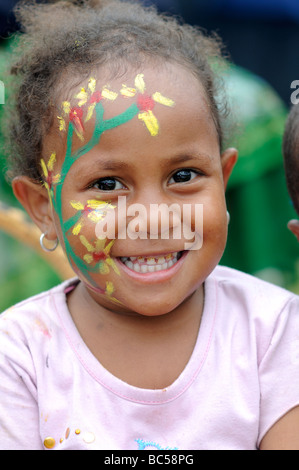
148 140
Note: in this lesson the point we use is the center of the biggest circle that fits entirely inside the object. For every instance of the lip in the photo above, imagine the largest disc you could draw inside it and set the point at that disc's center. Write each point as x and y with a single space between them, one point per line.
154 277
149 255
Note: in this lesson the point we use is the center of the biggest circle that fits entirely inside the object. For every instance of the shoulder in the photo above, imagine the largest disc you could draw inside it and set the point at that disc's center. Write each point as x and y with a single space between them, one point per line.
250 291
253 306
262 321
34 313
225 274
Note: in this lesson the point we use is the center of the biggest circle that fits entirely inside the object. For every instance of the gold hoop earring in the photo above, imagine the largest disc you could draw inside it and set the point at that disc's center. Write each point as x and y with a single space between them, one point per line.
48 250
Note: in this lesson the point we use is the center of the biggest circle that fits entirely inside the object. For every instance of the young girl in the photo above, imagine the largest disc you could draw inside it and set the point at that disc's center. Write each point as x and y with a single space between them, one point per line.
151 345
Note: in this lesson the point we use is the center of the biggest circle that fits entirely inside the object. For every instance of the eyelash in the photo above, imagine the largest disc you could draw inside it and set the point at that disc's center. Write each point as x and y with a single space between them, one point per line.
109 178
115 180
185 170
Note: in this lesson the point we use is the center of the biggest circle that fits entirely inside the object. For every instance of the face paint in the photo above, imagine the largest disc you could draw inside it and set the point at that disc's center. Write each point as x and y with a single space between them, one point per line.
94 210
99 253
49 179
146 103
96 258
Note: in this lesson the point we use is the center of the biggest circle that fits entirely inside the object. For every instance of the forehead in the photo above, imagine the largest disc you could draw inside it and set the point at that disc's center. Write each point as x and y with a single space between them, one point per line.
168 98
156 72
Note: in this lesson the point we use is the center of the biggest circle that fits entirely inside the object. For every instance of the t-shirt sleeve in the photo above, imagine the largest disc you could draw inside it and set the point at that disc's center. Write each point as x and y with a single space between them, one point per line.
19 416
279 368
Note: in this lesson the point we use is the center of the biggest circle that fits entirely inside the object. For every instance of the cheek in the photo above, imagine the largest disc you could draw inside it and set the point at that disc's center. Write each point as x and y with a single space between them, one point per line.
91 260
79 224
88 252
88 255
215 232
206 219
215 221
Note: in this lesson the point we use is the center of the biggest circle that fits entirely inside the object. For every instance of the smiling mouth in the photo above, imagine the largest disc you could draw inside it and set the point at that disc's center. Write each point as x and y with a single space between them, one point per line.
151 264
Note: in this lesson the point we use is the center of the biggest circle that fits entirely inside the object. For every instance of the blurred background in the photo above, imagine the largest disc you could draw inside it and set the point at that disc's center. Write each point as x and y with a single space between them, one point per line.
262 39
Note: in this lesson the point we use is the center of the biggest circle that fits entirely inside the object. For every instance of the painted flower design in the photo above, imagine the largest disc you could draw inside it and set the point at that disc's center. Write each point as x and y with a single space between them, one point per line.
84 97
93 210
96 97
109 291
48 175
99 254
109 288
146 103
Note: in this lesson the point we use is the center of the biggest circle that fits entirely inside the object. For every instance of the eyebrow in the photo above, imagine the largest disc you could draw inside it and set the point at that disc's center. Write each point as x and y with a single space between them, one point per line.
121 165
185 158
111 166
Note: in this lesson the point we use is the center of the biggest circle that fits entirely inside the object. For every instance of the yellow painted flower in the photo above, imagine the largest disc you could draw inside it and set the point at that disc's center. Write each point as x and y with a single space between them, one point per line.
90 97
49 178
99 254
93 210
98 96
109 288
82 96
146 103
109 291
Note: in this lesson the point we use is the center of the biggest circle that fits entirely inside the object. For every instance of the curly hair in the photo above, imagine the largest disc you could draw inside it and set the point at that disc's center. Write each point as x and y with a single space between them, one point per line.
73 36
290 150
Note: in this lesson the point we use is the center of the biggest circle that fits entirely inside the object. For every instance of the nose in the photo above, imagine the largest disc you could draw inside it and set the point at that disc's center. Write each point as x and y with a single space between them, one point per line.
153 221
154 216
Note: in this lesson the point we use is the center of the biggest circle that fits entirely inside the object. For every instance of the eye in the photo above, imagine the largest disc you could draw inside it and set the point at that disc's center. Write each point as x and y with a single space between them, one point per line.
183 176
107 184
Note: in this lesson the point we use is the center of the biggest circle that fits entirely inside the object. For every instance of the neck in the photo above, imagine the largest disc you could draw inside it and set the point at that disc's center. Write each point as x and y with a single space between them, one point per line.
144 351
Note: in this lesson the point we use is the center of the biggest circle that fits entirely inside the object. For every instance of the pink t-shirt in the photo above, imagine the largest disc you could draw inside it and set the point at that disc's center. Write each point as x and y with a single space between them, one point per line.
243 375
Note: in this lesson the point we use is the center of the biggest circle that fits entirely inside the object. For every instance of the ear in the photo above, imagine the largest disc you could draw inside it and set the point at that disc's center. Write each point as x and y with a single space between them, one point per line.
35 200
293 225
228 161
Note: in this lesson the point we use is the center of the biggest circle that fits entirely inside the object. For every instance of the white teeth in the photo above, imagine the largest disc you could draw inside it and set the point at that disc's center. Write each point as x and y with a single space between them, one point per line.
150 264
137 267
129 264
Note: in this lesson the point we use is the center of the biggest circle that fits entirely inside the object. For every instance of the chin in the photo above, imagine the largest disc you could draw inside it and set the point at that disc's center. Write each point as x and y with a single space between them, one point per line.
154 310
155 305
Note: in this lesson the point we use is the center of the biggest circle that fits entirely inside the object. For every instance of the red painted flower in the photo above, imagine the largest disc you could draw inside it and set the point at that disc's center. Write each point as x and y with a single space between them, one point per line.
146 103
90 97
50 179
76 116
96 97
99 253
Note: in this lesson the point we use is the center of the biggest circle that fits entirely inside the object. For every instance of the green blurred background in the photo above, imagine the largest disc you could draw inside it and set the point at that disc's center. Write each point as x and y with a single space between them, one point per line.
23 272
259 241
